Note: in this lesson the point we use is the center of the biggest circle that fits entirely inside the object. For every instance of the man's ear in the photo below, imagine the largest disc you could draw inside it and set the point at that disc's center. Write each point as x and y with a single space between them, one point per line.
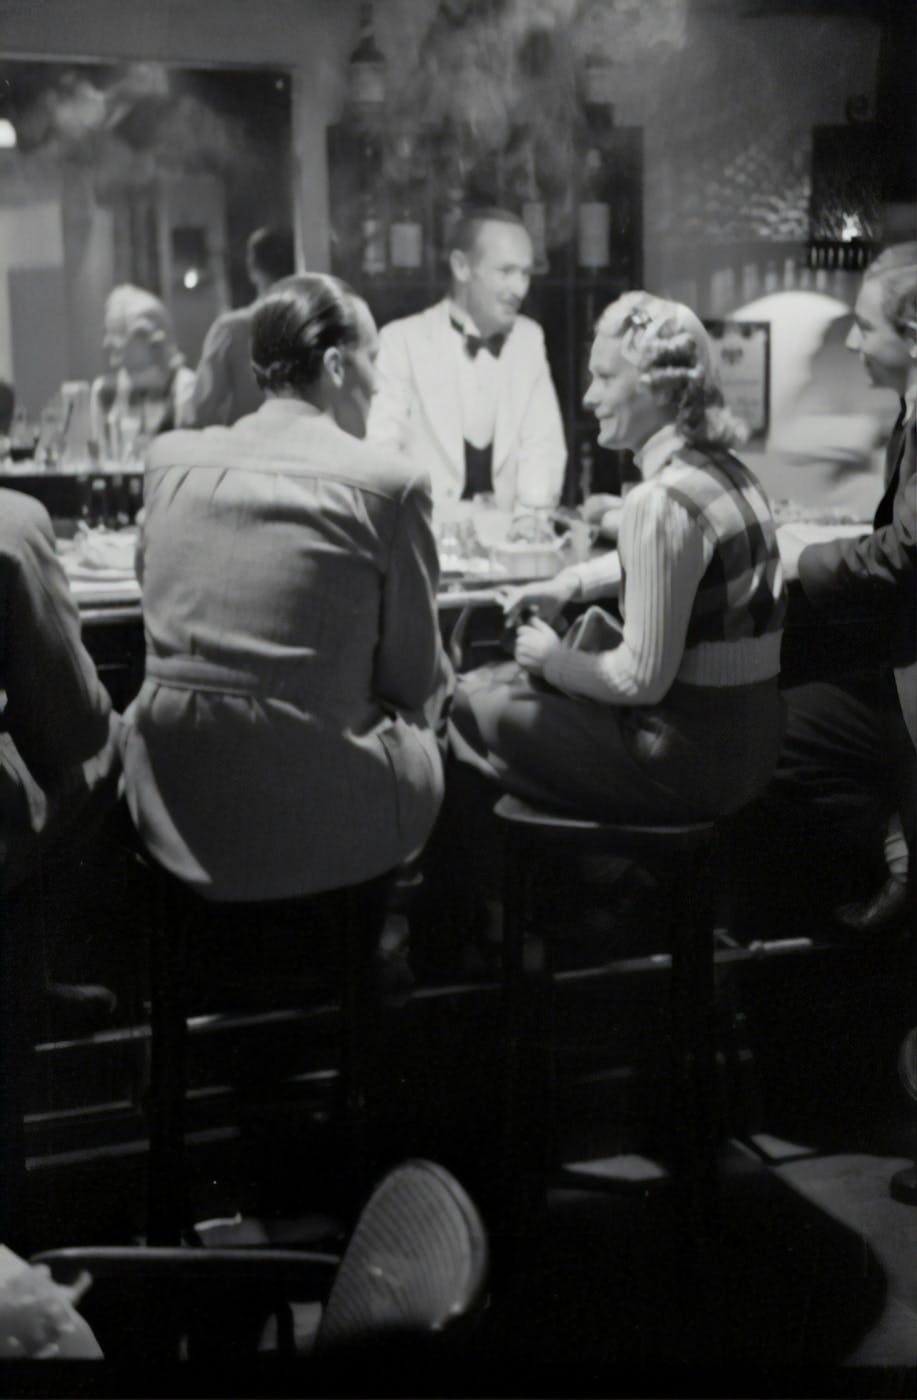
459 265
333 365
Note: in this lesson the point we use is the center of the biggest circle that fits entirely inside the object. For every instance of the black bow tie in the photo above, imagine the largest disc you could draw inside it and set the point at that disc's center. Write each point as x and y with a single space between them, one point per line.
473 343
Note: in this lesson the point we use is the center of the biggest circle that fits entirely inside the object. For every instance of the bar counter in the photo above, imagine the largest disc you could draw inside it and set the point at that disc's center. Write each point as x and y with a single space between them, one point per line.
816 644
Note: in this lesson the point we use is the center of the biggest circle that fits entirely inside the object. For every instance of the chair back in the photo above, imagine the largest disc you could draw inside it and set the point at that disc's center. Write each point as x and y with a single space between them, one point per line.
416 1262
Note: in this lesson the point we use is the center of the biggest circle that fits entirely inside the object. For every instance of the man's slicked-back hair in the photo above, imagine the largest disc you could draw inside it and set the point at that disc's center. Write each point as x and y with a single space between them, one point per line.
294 324
896 271
465 234
273 252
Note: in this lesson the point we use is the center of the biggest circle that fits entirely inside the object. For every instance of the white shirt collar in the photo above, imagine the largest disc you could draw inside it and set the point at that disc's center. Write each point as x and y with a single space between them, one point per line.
910 400
656 451
457 314
467 323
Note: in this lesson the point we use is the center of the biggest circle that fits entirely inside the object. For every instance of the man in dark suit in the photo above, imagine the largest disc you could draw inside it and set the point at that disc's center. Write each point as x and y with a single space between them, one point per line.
59 762
58 737
850 747
225 388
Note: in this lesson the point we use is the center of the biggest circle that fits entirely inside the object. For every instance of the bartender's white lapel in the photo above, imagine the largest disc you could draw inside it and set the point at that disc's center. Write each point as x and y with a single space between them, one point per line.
433 356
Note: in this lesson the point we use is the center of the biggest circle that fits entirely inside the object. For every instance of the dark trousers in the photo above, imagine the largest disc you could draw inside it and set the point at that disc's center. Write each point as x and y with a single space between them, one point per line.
848 757
815 839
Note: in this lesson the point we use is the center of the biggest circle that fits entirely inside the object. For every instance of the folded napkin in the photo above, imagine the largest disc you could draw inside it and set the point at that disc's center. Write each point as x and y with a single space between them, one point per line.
100 555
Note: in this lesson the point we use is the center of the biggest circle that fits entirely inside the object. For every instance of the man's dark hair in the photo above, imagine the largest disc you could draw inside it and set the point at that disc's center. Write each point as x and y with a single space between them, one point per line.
465 234
294 324
273 252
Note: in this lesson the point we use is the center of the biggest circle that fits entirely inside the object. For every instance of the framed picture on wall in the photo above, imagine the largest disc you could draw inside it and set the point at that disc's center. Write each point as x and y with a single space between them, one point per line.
742 355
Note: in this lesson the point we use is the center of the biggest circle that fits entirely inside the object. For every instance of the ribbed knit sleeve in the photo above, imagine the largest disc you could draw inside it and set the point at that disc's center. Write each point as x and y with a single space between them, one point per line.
597 578
664 556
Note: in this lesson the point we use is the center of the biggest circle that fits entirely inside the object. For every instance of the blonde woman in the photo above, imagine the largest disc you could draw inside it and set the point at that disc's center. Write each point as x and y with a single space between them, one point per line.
675 714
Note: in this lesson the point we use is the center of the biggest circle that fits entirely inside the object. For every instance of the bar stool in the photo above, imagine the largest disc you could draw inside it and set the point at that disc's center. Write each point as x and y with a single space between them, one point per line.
681 856
179 914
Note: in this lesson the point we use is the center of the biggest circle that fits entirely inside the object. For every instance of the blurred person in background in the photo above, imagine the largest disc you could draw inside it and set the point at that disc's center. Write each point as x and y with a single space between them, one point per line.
465 389
828 426
224 387
849 751
147 389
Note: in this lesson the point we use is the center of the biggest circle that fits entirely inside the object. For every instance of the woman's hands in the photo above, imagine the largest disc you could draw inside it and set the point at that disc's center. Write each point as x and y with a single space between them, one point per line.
548 599
535 641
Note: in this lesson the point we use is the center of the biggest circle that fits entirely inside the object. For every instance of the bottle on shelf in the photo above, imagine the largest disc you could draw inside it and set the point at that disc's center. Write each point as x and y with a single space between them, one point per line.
134 495
406 230
453 165
366 73
22 435
50 434
405 235
116 502
722 292
598 93
751 282
593 219
533 210
373 234
98 502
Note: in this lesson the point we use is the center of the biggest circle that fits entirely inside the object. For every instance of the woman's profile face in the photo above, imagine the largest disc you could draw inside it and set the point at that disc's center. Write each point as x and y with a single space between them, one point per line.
626 411
359 384
114 337
140 353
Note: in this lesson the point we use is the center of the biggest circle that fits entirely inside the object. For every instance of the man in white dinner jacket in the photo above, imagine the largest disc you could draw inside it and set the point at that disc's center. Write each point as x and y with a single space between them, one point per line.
464 386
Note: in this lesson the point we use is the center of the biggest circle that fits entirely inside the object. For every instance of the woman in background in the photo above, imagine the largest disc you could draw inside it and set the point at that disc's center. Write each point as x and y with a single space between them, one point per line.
148 387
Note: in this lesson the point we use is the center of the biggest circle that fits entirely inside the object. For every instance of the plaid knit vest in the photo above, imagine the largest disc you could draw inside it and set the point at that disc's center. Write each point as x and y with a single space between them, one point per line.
741 593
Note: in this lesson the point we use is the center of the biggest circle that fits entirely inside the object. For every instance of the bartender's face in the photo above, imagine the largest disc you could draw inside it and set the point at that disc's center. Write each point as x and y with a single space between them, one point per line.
359 375
883 351
491 281
626 411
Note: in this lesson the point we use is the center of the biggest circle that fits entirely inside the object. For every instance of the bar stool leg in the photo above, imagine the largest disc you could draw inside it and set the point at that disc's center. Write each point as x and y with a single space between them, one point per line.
363 909
512 1151
13 1054
527 1052
692 996
166 1212
692 1011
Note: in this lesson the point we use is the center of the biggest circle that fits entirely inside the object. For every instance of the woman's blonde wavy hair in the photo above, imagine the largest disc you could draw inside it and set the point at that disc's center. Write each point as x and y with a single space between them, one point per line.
667 343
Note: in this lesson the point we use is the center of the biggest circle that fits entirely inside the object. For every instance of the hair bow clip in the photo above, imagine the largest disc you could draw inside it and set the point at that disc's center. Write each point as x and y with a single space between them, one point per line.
639 318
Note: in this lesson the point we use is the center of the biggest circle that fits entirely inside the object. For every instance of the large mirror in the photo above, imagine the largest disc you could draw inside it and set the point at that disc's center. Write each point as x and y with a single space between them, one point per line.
137 172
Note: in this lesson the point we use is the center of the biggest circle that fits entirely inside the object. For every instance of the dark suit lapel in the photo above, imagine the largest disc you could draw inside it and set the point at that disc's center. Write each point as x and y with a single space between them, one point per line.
894 455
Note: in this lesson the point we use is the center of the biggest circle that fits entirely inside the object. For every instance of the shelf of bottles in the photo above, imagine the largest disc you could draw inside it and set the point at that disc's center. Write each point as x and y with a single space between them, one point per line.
839 254
397 191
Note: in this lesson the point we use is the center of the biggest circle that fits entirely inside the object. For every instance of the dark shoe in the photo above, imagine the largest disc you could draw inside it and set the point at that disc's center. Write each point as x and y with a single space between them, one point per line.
885 912
76 1009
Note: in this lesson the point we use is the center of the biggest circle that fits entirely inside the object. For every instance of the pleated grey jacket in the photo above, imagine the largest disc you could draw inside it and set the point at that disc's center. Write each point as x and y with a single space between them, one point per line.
280 743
